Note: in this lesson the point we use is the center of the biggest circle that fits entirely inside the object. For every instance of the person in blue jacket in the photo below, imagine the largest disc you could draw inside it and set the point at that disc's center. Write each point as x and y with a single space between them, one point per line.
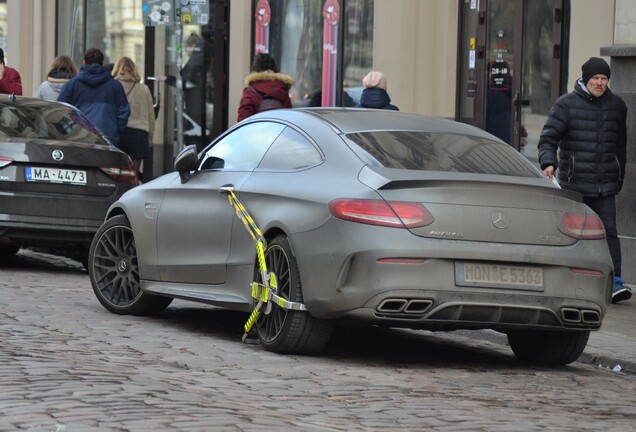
99 96
374 94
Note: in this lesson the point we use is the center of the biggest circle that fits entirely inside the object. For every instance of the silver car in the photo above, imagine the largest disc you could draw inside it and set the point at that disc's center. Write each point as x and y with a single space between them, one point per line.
381 217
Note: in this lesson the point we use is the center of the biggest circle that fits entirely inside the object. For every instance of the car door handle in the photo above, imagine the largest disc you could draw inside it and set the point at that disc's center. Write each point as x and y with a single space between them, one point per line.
225 189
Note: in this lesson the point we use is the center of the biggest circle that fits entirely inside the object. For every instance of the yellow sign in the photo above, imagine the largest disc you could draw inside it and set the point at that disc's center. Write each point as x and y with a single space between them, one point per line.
186 18
472 43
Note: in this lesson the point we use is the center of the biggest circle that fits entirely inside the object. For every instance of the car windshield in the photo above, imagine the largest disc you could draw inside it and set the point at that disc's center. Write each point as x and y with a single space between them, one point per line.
416 150
47 121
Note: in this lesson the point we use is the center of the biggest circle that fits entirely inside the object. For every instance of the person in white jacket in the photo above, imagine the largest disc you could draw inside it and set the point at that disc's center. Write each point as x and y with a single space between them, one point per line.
61 71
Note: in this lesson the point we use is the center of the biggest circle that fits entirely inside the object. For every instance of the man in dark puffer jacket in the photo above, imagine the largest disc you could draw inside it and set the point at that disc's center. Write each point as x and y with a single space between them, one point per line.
98 95
588 128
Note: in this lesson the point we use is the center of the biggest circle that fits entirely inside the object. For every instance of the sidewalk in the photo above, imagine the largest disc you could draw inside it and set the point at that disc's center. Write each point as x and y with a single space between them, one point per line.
613 346
615 343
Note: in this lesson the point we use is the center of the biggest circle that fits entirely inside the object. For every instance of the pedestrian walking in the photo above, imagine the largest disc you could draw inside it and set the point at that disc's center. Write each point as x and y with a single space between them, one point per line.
374 94
61 71
137 136
584 141
10 81
267 88
98 95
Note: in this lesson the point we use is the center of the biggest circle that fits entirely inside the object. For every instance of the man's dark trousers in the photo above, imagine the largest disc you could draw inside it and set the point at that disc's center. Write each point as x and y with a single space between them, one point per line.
605 207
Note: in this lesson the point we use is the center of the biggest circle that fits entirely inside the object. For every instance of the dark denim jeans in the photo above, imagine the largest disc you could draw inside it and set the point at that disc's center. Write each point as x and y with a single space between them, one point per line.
605 207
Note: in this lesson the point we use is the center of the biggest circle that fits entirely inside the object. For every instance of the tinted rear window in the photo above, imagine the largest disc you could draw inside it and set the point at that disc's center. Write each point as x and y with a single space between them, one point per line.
441 152
47 121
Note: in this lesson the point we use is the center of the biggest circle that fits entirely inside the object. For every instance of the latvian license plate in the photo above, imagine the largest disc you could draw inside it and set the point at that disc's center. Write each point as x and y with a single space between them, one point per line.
55 175
498 276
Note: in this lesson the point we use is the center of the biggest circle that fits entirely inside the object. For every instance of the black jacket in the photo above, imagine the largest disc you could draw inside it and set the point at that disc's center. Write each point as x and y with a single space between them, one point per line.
590 135
375 97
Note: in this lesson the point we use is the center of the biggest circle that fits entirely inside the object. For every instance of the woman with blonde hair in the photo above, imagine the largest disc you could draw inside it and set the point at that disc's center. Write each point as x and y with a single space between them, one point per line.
61 71
137 137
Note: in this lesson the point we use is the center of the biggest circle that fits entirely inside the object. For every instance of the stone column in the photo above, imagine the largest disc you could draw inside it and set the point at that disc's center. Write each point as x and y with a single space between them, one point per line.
623 83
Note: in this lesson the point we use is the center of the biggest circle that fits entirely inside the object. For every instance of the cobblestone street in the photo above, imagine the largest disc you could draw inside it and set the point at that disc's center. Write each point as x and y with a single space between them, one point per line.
66 364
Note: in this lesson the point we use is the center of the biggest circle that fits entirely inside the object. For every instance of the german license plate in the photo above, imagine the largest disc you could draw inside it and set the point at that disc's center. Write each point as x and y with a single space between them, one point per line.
55 175
498 276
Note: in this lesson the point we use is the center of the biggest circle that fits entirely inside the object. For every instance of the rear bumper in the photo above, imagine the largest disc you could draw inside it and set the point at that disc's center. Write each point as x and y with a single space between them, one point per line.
452 311
42 231
346 274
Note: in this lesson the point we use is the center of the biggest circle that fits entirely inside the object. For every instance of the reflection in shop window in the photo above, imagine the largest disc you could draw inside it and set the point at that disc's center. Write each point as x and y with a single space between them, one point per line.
124 30
296 35
3 25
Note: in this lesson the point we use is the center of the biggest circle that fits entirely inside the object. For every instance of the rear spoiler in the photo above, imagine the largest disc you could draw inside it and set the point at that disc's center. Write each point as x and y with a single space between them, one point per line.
390 179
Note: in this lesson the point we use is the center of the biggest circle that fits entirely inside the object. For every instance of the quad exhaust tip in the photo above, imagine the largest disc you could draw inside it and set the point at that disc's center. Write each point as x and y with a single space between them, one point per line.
580 316
404 306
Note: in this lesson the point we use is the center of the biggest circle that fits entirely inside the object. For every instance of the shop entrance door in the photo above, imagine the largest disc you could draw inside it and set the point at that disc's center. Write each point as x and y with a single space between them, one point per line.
511 67
203 79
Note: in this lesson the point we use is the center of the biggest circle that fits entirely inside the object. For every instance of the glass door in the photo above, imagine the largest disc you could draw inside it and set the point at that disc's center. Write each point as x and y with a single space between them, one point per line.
502 67
541 71
510 67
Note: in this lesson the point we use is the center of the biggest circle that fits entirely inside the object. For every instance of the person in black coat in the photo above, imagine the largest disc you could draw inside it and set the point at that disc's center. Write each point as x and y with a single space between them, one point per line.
374 94
588 130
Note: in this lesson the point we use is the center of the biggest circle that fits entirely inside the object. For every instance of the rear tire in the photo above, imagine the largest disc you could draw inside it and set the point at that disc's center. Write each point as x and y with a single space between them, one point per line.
283 330
114 272
549 347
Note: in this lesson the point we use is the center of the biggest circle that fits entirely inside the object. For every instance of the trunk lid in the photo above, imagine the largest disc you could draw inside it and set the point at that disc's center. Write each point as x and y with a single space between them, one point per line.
478 207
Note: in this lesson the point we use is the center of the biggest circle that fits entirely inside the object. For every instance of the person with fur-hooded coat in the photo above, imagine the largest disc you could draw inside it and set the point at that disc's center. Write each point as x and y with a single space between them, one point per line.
266 82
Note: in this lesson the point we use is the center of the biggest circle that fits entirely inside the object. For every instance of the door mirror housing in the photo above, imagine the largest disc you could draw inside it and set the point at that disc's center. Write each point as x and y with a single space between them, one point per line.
186 162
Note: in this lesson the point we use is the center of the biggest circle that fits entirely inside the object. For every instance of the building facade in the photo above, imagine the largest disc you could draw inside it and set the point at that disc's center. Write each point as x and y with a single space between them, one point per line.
496 64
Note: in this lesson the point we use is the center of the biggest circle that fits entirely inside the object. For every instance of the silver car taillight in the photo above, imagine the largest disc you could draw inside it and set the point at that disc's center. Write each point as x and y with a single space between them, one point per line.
396 214
582 226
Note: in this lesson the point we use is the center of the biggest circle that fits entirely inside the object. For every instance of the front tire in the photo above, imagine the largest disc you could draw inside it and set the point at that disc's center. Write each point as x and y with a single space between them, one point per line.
549 347
283 330
114 272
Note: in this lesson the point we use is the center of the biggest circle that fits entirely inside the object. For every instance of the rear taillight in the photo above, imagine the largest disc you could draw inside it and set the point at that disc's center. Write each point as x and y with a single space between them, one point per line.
395 214
582 226
4 161
122 173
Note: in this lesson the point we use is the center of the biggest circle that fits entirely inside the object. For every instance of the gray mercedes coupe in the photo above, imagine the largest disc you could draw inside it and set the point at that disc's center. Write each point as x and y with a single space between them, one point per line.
380 217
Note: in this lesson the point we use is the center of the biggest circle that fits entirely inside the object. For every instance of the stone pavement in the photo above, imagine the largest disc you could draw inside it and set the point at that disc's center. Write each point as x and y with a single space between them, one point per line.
613 346
68 365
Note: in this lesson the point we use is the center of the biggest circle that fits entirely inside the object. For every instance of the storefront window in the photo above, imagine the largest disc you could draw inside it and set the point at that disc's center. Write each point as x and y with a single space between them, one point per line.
116 28
3 25
70 30
296 42
358 48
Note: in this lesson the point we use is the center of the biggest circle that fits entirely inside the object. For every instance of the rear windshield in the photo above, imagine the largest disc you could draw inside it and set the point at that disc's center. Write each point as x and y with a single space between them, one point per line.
47 121
413 150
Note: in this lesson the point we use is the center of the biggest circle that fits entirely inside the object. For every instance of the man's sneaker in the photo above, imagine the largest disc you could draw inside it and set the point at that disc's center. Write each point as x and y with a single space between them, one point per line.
621 291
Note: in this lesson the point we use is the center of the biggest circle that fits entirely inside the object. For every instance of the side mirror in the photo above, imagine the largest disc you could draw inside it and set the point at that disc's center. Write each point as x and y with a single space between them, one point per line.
186 162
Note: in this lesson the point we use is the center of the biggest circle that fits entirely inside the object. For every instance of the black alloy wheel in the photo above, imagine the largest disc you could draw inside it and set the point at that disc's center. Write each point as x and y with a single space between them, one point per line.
283 330
114 271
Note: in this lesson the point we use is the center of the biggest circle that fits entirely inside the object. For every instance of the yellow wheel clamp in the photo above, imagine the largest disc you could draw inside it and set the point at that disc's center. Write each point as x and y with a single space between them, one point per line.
265 293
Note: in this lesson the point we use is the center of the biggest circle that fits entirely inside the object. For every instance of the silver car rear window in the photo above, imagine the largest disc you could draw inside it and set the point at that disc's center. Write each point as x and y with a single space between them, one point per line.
414 150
